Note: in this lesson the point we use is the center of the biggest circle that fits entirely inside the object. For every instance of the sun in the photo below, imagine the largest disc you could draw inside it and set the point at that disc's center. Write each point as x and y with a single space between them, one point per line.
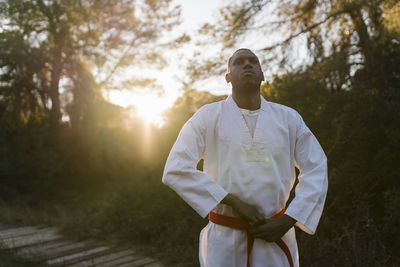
148 107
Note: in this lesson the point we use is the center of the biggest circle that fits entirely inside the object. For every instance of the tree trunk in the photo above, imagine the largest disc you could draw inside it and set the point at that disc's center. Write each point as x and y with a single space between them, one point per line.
365 40
55 112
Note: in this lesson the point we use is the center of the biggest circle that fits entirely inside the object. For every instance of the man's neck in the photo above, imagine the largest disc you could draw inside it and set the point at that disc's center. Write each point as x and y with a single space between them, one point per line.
247 101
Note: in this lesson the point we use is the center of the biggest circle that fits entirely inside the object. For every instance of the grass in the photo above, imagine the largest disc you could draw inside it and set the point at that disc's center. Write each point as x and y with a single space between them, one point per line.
9 258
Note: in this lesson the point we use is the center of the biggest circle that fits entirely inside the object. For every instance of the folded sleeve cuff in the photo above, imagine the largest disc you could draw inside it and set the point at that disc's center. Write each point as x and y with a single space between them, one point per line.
217 194
308 225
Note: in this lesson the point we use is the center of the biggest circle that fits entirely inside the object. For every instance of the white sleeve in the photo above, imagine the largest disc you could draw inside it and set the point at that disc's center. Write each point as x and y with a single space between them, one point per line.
180 173
312 188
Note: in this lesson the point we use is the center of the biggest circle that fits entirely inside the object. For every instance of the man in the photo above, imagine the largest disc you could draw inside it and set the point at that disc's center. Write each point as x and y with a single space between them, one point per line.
250 149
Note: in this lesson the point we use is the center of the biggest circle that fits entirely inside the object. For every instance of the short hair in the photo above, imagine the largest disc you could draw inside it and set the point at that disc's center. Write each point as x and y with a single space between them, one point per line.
230 58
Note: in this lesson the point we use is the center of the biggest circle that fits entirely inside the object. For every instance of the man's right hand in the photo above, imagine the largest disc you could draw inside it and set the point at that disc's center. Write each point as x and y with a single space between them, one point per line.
246 211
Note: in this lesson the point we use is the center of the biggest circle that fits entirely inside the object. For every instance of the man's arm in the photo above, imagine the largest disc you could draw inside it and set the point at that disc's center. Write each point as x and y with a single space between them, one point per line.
305 209
307 205
195 187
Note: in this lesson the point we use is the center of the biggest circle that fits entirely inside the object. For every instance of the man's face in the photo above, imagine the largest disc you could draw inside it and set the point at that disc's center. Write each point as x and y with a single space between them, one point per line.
245 70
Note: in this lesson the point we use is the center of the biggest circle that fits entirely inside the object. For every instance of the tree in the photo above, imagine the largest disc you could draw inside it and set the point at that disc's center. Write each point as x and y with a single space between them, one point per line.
341 36
54 48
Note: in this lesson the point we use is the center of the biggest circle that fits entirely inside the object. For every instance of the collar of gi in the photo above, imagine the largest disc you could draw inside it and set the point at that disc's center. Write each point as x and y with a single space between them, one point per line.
264 103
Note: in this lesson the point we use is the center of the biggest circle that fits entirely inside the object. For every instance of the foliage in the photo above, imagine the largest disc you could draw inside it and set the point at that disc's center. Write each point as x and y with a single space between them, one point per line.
10 258
51 50
340 36
99 175
100 181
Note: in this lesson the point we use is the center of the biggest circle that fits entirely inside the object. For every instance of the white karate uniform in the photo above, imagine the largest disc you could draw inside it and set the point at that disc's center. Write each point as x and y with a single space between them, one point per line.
260 170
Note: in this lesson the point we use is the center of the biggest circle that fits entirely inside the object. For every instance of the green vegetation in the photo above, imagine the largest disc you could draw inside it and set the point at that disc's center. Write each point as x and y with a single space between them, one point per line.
8 258
99 174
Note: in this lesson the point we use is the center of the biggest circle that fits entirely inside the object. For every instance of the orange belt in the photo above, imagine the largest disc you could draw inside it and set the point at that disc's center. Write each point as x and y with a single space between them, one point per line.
243 225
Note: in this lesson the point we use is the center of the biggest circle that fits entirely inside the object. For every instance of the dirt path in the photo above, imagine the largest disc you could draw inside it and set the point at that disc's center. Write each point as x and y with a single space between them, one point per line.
47 244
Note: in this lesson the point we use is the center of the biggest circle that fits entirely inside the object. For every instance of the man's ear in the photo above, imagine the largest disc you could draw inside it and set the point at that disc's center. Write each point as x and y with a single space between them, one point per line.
262 74
227 79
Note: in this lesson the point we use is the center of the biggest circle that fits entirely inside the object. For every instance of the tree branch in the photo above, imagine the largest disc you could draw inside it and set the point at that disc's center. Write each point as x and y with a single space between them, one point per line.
304 31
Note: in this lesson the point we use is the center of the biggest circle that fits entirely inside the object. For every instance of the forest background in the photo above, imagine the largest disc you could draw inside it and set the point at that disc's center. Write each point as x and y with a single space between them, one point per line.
69 157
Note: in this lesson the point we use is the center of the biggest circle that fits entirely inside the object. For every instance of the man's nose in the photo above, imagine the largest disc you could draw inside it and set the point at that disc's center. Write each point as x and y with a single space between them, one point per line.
247 64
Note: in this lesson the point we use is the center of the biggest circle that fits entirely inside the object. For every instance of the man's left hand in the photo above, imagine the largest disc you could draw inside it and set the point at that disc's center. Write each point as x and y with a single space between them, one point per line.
273 229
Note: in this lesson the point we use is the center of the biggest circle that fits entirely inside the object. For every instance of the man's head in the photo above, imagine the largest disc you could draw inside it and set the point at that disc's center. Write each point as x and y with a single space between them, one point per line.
244 71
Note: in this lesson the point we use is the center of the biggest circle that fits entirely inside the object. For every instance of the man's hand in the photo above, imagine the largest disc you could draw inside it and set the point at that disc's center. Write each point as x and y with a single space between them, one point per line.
273 229
246 211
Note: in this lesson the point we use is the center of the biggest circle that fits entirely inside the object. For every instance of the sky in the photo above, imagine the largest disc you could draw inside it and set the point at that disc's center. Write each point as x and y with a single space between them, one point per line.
194 14
150 106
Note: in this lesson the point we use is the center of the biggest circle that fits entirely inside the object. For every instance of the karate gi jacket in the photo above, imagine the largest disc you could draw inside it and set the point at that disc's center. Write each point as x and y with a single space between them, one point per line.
260 170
